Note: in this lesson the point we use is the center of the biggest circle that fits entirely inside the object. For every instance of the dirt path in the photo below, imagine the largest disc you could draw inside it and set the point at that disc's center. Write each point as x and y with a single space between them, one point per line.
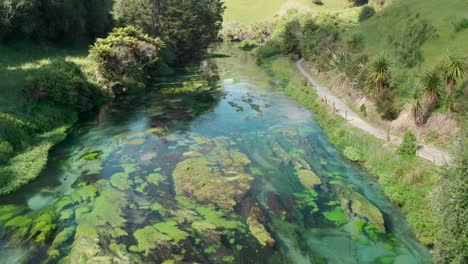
431 153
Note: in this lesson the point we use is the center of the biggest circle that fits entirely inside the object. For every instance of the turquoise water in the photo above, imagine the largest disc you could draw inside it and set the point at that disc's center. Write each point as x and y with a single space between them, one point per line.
231 172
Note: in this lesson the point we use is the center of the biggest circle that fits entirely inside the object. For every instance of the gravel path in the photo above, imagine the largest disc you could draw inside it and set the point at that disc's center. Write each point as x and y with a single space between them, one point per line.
431 153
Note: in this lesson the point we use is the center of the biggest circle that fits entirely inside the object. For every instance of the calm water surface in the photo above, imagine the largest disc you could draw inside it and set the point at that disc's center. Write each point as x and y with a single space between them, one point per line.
220 175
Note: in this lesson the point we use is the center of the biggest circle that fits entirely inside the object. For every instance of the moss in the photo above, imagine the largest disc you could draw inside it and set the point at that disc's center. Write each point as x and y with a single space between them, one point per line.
337 216
121 181
92 155
155 178
169 261
170 228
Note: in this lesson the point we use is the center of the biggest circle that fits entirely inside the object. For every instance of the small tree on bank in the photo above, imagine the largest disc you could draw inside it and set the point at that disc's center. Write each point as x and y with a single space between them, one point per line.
408 147
431 83
453 68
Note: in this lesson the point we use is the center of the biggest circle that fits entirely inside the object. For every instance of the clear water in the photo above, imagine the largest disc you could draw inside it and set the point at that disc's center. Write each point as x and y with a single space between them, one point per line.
171 216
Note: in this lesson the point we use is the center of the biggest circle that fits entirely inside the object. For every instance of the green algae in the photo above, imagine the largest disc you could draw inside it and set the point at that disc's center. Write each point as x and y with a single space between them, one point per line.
129 168
229 259
121 181
156 178
217 218
67 214
170 229
337 216
59 242
359 225
148 239
9 211
307 199
92 155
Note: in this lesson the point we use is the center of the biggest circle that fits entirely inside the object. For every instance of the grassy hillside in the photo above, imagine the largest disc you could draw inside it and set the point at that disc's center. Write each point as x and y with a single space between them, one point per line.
439 14
251 11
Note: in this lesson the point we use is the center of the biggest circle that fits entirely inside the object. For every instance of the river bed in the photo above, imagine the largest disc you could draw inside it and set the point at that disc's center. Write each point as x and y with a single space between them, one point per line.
216 167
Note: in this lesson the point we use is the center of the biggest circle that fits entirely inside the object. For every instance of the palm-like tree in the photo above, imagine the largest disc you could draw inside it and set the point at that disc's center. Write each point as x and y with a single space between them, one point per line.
379 74
431 83
417 111
453 69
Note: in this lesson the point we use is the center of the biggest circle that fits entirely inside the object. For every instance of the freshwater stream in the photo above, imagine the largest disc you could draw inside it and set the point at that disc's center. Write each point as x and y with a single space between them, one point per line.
232 172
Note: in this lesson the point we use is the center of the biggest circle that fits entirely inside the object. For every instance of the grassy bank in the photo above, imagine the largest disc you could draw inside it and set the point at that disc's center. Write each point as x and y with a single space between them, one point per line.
246 11
407 181
27 136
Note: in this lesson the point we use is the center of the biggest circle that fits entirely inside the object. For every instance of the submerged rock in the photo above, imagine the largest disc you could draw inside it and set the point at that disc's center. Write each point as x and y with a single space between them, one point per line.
309 179
358 205
219 177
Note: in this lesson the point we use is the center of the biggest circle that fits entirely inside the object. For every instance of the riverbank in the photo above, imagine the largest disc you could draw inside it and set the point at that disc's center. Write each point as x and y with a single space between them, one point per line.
407 181
428 152
27 135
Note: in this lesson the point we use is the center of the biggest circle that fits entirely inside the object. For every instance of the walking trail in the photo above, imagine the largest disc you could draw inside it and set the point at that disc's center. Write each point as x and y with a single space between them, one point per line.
428 152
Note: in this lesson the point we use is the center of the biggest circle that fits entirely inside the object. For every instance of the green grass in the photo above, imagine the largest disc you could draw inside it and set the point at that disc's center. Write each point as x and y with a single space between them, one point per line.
31 144
258 10
440 14
407 181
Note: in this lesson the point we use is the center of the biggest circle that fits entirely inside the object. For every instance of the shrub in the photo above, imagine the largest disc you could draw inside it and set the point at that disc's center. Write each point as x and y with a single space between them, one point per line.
247 45
6 150
353 154
408 147
408 42
386 106
366 13
460 24
358 2
317 2
126 59
60 83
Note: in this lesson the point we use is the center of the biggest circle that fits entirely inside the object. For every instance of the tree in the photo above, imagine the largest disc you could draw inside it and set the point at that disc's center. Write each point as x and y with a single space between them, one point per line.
453 68
379 74
452 204
408 147
291 37
186 26
358 2
417 111
431 83
366 13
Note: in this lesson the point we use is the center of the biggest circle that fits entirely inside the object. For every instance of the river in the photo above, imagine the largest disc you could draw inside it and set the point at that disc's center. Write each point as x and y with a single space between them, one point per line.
215 167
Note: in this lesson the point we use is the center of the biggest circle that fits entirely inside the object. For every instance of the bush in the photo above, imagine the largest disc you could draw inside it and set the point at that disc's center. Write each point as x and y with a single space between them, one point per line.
60 83
353 154
366 13
358 2
386 106
460 25
317 2
247 45
408 42
6 150
408 147
126 59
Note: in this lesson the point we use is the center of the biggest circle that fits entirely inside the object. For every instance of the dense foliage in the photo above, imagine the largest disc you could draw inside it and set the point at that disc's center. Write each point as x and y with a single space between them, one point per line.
125 59
186 26
57 20
452 204
61 83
